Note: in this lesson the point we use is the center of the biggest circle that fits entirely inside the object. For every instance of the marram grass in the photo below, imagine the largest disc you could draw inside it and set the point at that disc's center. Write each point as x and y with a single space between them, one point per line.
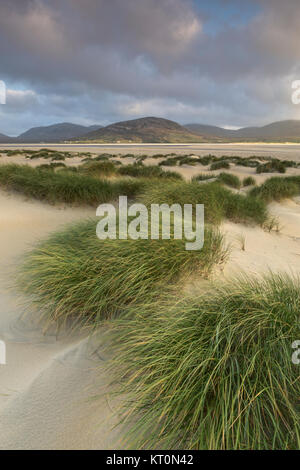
65 186
213 372
219 202
74 274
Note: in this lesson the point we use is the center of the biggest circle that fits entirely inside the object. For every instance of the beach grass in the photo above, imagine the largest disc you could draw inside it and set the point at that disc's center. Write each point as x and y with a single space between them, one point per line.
249 181
277 188
230 180
64 186
98 168
150 171
219 202
74 274
220 165
213 372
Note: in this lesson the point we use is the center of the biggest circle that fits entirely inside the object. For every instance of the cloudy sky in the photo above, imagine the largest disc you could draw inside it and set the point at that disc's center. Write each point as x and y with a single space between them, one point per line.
223 62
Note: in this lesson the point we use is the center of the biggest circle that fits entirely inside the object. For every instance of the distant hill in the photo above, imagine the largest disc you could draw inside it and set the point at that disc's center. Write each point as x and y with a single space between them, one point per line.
147 130
55 132
206 130
4 139
277 131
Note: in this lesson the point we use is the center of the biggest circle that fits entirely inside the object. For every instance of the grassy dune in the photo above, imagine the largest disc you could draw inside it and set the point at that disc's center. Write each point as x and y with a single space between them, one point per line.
64 186
75 274
276 188
219 202
213 372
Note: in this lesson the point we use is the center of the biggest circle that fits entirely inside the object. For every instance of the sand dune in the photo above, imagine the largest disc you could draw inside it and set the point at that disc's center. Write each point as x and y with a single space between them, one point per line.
46 385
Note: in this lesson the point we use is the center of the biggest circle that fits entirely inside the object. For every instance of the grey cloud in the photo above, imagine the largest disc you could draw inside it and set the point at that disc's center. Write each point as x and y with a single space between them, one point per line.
103 60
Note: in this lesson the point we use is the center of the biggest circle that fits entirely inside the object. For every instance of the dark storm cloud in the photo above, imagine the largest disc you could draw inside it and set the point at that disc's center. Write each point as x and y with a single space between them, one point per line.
102 60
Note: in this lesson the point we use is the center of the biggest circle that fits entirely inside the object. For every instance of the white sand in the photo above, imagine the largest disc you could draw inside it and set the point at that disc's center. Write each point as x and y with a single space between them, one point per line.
46 385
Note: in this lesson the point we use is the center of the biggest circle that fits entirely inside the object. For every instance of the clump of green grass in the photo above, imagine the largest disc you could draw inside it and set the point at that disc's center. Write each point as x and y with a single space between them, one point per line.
150 171
213 372
48 153
273 166
169 162
249 181
74 274
188 160
219 202
51 166
277 188
230 180
219 165
12 153
58 157
103 157
203 177
64 186
98 168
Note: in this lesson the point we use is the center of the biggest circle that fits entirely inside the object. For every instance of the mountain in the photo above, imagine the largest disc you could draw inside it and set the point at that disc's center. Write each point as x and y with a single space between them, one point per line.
276 131
4 139
55 132
147 130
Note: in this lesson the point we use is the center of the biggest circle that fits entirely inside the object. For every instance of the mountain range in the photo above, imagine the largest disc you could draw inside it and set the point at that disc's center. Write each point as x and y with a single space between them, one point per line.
157 130
54 133
277 131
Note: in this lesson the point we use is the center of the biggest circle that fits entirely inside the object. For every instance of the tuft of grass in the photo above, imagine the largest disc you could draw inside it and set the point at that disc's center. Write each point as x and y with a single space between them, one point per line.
242 241
230 180
98 168
65 185
169 162
277 188
219 202
151 171
214 372
74 274
203 177
249 181
273 166
219 165
51 166
272 224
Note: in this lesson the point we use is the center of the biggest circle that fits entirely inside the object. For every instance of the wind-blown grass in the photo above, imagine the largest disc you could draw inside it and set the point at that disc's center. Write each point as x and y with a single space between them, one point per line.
219 202
64 186
150 171
277 188
219 165
273 166
230 180
74 274
98 168
203 177
214 372
249 181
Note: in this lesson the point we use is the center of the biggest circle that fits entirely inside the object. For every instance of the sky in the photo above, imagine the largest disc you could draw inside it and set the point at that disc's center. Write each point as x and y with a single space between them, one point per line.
229 63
